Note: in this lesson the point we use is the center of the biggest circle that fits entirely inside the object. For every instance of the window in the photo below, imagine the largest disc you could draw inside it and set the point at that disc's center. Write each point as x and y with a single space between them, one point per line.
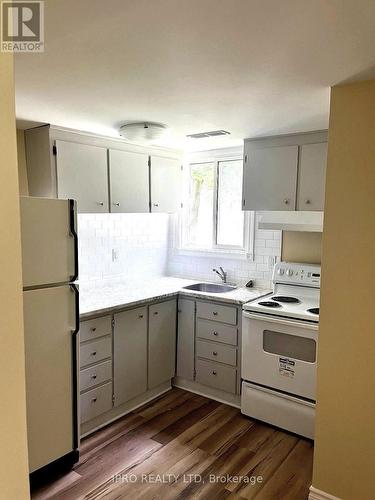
212 219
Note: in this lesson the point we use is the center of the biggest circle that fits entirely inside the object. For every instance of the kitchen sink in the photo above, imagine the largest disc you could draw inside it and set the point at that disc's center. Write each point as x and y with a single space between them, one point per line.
210 288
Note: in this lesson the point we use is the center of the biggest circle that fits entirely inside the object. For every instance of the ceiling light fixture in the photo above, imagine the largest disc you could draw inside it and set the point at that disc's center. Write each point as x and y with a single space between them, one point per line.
143 131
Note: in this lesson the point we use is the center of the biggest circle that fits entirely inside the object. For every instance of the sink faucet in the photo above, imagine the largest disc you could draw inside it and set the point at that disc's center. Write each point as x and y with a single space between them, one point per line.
221 273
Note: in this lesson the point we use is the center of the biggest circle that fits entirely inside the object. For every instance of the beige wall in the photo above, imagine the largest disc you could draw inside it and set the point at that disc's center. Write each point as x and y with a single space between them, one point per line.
301 247
21 156
13 447
344 462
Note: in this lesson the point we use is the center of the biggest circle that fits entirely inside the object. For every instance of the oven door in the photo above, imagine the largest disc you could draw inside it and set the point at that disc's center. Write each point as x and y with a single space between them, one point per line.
280 353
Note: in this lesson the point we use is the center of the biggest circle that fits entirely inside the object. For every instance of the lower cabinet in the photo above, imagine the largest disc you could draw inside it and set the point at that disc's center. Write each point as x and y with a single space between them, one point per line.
130 354
208 344
118 366
162 343
185 339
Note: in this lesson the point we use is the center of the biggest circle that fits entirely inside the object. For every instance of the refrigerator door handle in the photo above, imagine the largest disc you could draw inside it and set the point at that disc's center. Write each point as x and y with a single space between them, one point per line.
73 232
75 369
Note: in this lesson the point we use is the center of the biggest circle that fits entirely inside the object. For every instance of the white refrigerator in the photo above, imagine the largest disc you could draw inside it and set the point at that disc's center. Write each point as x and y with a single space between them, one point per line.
51 319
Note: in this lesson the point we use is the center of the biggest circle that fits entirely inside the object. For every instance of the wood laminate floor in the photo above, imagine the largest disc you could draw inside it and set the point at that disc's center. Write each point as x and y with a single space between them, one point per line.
183 446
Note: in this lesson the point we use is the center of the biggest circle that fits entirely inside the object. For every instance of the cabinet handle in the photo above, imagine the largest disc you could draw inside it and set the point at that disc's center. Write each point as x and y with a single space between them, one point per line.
93 329
286 201
93 377
93 400
308 202
101 203
215 313
93 353
156 313
117 204
179 310
214 372
140 316
215 333
214 353
155 204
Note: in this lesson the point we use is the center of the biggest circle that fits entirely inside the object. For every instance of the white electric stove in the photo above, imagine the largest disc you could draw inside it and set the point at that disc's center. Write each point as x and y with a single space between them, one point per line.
279 350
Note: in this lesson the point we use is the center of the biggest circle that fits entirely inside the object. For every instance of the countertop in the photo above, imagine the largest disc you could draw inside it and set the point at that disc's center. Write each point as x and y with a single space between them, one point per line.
97 299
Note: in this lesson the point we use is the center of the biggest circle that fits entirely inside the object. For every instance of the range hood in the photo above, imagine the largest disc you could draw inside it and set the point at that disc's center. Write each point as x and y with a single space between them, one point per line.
292 221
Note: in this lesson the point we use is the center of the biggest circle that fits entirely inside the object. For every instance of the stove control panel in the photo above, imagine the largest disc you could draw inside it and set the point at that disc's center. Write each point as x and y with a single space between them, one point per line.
297 274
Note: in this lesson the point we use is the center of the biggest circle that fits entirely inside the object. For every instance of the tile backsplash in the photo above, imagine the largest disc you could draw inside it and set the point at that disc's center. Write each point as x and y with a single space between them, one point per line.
131 247
124 246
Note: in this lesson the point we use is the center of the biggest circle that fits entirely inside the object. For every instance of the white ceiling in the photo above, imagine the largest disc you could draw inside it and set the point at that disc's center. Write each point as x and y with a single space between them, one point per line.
252 67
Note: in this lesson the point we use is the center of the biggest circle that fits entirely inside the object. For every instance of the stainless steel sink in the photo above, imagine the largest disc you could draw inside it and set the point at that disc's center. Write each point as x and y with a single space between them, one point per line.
210 288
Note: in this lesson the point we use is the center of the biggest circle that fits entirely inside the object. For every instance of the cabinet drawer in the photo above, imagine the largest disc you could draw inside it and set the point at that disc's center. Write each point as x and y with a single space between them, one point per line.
96 402
95 351
93 328
95 375
224 314
212 330
216 375
217 352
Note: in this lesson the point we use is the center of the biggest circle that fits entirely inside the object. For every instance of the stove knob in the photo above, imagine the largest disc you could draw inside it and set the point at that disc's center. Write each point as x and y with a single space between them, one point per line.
289 272
280 272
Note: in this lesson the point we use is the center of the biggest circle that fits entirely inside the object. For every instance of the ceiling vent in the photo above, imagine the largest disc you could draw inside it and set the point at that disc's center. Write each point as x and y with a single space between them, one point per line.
213 133
143 131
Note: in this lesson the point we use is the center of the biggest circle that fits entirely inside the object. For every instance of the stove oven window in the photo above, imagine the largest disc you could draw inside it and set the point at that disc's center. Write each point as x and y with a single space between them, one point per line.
291 346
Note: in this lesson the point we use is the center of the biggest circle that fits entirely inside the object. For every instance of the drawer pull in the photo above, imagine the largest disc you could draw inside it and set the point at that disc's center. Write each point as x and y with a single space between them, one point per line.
93 329
140 316
93 400
156 313
214 353
215 313
93 377
93 353
214 372
216 333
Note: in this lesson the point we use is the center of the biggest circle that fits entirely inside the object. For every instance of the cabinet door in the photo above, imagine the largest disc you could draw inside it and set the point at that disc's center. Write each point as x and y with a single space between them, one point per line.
82 175
161 343
129 182
130 354
185 339
270 178
165 184
312 176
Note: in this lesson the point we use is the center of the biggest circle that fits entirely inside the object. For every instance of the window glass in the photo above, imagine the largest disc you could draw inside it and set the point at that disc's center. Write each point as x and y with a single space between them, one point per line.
200 205
230 217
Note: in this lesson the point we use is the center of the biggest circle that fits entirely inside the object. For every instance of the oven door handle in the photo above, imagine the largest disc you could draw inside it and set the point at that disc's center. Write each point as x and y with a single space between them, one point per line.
282 321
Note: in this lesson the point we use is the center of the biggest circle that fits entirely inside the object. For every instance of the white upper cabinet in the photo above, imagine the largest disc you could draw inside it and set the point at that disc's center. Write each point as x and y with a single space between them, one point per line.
165 184
129 181
285 173
82 175
270 178
312 175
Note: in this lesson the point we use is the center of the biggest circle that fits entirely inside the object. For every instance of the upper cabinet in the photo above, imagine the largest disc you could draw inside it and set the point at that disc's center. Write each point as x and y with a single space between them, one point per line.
82 175
128 181
165 184
285 172
99 174
271 178
312 175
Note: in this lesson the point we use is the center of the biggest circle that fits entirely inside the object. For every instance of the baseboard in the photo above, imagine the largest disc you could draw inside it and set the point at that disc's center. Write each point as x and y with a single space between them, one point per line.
316 494
208 392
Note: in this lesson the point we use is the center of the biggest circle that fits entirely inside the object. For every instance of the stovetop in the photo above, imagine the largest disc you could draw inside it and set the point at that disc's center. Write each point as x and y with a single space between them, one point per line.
296 293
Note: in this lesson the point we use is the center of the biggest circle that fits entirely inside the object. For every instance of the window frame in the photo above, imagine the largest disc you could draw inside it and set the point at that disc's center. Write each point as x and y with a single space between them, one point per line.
245 251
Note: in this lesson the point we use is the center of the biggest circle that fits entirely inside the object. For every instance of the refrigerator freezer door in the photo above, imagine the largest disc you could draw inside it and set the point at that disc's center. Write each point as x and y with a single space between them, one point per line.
49 242
51 373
